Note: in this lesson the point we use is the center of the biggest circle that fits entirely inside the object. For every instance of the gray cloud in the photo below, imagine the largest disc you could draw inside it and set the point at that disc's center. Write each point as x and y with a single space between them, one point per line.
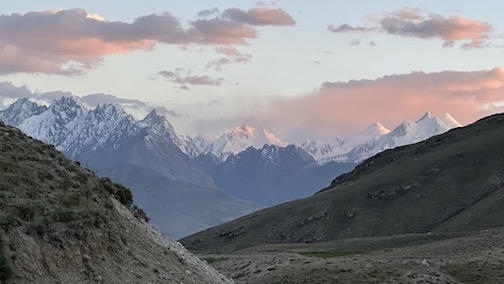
221 31
95 99
168 112
209 12
410 22
10 93
348 29
186 78
260 16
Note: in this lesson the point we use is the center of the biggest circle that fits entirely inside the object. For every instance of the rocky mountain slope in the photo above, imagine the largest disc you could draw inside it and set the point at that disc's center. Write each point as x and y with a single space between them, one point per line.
272 174
59 223
449 183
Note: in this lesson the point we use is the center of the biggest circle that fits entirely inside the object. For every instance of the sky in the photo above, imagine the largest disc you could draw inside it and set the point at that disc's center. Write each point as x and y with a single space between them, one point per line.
301 69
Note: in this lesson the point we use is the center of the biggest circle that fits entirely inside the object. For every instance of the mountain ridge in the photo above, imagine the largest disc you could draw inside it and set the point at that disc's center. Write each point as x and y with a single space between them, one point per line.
377 138
451 182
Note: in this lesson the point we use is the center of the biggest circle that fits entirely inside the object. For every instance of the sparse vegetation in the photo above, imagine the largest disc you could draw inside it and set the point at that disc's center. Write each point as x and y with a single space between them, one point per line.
49 196
5 270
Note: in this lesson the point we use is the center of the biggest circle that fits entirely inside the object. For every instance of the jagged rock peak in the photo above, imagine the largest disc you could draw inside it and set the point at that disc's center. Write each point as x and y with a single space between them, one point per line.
426 115
20 110
67 103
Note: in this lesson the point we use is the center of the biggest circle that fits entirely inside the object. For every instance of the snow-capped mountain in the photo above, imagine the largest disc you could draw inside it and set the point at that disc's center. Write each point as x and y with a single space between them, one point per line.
203 140
72 128
324 152
238 140
159 128
20 110
377 138
107 132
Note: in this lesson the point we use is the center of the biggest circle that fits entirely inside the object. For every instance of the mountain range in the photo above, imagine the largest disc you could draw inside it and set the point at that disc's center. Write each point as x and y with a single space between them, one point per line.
449 183
236 141
112 143
220 178
377 138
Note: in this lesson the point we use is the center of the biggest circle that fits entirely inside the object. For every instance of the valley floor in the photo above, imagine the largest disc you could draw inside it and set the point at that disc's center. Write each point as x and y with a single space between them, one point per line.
476 257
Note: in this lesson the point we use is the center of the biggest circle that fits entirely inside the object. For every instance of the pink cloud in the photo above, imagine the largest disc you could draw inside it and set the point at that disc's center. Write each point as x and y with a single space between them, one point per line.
432 26
410 22
339 107
232 55
69 42
260 16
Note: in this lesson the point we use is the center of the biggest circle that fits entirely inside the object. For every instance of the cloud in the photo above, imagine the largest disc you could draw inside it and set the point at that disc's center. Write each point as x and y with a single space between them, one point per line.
340 107
348 29
209 12
71 42
410 22
68 42
221 31
185 78
168 112
260 16
232 55
93 100
355 42
10 93
199 80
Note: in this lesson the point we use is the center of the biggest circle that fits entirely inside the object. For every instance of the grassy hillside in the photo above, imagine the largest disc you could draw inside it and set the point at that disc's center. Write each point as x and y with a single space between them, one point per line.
59 223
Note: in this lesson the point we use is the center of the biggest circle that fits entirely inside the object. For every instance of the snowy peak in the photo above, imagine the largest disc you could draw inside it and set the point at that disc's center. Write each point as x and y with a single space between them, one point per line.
203 140
20 110
426 116
153 118
239 139
374 130
72 128
377 138
449 121
243 131
69 106
104 111
159 128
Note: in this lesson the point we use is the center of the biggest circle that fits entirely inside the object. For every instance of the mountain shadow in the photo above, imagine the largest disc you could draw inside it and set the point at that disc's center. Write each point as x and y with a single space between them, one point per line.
272 174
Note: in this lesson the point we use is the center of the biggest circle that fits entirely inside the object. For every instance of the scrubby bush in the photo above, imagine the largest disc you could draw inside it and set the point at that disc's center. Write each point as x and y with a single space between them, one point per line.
121 193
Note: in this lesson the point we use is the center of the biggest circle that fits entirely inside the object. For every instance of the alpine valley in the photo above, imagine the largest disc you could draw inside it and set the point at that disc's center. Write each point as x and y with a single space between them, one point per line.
189 184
